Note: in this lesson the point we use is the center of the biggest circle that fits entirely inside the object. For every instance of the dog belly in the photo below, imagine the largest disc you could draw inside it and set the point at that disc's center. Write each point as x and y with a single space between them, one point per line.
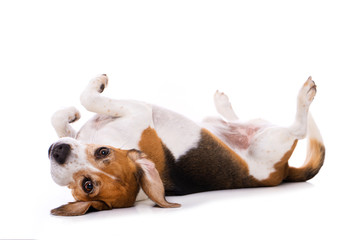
238 136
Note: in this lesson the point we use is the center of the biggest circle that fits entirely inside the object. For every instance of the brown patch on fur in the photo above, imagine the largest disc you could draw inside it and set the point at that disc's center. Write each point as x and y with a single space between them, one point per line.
212 165
314 161
116 186
115 193
281 169
152 146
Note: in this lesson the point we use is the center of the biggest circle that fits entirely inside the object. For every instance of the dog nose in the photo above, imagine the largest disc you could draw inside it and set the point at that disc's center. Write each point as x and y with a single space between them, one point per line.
60 152
49 151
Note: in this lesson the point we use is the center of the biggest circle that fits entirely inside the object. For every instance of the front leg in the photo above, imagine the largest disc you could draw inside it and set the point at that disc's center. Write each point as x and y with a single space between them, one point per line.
61 121
92 100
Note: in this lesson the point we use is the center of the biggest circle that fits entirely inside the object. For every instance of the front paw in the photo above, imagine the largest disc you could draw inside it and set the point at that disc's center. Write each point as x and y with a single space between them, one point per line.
65 115
61 119
73 114
99 83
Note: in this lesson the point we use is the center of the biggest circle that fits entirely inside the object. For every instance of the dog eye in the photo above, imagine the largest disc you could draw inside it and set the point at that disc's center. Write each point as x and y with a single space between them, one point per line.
102 152
87 185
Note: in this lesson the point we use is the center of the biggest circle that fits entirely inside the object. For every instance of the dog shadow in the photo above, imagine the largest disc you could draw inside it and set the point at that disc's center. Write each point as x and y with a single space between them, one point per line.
147 207
197 199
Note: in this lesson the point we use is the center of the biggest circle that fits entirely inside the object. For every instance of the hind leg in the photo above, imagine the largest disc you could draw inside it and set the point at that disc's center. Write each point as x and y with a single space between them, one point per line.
305 97
271 149
223 106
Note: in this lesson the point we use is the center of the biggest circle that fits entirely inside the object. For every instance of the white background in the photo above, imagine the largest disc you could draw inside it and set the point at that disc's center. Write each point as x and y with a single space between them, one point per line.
176 54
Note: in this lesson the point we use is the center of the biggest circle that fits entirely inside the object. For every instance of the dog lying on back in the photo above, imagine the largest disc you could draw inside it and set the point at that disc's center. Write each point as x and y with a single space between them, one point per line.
131 150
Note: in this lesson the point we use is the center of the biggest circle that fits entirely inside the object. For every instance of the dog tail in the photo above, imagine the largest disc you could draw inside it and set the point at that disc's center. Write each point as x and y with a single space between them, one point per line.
315 155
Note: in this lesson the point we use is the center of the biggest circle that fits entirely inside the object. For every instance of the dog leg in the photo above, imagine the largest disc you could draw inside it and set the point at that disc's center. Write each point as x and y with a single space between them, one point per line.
305 97
94 102
61 121
223 106
271 148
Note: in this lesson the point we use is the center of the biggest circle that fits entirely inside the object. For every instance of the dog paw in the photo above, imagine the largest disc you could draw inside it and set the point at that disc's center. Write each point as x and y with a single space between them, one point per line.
73 114
308 91
65 115
221 100
223 106
99 83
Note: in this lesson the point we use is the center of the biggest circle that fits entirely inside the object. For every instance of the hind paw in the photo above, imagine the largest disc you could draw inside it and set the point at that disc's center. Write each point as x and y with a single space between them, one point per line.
221 100
307 92
223 106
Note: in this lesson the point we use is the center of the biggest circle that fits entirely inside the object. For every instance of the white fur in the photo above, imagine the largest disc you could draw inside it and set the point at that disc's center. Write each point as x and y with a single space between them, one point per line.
93 101
177 132
124 132
268 147
305 97
223 106
313 131
77 161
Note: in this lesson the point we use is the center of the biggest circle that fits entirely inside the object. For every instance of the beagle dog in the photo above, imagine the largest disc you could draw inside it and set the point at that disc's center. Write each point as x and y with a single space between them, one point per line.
131 150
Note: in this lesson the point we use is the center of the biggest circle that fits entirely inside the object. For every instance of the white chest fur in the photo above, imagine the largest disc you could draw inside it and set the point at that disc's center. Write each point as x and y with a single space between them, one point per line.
123 132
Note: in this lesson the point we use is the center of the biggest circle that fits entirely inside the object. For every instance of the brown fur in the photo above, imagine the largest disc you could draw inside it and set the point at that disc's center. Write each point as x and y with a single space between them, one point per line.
152 146
312 165
115 193
226 148
79 208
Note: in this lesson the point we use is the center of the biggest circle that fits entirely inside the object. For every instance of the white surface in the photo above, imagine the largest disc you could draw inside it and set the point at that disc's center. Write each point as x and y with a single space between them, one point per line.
176 55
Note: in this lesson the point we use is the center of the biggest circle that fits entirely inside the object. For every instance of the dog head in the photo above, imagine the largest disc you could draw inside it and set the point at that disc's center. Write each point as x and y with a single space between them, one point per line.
103 177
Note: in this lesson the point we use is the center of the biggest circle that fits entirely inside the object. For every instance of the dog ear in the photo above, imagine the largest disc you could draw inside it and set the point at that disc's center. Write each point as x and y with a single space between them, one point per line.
150 181
152 185
79 208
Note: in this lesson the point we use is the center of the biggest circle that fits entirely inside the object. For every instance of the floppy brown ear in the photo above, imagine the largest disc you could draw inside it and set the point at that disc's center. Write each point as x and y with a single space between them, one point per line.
79 208
149 179
152 185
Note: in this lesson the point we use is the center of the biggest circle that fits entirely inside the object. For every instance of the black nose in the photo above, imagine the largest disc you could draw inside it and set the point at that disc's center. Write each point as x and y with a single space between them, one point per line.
60 152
